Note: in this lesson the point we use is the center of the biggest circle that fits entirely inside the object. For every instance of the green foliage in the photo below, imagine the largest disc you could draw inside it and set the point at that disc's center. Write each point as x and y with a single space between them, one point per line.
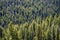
48 29
21 11
29 20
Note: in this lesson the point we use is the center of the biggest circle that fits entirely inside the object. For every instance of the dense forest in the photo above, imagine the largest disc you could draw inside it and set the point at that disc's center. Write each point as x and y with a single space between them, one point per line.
29 19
